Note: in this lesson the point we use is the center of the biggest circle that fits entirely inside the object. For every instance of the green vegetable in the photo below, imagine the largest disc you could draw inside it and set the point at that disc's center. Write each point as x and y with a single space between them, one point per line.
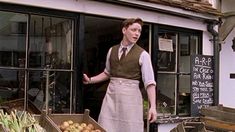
20 121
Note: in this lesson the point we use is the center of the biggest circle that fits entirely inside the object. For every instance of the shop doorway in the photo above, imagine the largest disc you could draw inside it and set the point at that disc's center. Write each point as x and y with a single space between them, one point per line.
100 34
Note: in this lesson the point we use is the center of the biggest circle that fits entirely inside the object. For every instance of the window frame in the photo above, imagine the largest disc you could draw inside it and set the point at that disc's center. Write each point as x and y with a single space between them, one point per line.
75 80
158 28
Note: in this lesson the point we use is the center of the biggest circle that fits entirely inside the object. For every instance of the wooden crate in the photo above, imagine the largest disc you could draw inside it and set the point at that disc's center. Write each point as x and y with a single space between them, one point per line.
18 104
44 122
2 129
190 127
58 119
218 118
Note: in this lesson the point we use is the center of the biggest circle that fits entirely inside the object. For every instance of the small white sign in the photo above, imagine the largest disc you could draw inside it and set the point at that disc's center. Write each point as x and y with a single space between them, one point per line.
165 44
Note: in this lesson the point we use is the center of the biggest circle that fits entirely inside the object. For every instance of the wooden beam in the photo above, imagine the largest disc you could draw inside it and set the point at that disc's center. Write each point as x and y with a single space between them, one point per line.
218 124
180 128
219 112
226 27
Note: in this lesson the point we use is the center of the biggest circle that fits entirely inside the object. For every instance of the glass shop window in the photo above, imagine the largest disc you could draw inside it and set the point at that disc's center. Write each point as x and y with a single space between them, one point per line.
13 29
173 70
50 62
50 42
44 65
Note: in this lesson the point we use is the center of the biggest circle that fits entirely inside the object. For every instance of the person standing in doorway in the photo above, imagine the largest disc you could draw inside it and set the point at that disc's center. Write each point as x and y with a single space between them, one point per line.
126 64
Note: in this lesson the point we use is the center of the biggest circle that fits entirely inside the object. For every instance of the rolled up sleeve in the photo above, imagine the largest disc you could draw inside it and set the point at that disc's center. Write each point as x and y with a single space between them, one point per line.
146 69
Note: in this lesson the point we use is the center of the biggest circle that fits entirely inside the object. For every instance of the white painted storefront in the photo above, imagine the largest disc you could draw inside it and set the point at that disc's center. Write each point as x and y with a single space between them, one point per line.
227 65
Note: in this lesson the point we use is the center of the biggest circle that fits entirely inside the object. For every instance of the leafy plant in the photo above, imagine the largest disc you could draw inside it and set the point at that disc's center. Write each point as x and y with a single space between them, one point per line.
19 121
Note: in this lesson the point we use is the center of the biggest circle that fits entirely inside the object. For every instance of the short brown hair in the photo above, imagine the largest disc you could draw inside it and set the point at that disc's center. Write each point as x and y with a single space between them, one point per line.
130 21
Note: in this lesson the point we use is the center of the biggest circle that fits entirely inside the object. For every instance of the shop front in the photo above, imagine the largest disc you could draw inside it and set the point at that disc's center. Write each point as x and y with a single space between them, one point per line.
44 49
36 57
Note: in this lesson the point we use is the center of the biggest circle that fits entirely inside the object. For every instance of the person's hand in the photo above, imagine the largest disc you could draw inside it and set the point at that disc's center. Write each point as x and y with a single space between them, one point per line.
86 79
152 115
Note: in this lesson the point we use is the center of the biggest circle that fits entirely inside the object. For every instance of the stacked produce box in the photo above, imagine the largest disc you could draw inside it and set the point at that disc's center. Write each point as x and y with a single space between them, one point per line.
18 104
22 121
75 122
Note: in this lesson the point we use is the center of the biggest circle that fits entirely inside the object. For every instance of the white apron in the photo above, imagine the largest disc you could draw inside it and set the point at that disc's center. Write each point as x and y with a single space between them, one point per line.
122 109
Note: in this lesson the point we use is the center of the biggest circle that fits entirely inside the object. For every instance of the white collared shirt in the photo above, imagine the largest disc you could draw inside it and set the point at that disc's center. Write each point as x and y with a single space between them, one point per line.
144 62
120 51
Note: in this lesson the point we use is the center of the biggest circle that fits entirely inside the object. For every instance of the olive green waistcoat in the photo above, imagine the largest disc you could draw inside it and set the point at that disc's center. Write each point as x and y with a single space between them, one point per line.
128 67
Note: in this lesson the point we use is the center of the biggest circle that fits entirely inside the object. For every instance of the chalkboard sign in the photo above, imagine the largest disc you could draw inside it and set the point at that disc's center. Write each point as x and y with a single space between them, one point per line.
201 82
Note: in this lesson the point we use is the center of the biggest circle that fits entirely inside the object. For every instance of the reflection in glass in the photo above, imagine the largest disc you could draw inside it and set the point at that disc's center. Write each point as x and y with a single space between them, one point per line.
184 95
50 46
166 60
194 44
50 42
13 27
166 94
184 43
188 46
58 90
36 90
11 85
